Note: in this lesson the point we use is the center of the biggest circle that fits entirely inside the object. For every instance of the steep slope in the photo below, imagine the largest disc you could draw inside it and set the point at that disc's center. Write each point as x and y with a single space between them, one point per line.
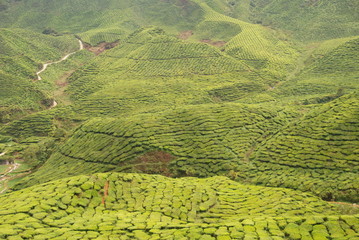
262 48
155 207
249 144
317 153
128 77
123 83
330 71
202 140
257 53
150 60
100 20
112 20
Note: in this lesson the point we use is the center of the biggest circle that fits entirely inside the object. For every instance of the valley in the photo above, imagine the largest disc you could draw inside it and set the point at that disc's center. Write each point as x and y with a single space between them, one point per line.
179 119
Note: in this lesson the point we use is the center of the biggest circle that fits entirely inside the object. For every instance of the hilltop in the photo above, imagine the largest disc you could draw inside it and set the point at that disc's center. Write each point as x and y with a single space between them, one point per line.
253 105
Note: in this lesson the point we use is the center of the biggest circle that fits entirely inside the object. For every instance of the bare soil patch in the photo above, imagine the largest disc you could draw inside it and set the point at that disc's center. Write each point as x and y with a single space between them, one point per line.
154 162
347 204
101 47
214 43
62 81
105 193
185 35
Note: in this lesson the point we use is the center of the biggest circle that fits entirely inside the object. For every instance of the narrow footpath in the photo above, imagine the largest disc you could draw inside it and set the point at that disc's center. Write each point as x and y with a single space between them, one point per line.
345 203
5 177
44 67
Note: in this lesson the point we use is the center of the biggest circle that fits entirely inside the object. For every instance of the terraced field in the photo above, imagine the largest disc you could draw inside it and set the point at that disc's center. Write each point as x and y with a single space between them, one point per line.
96 21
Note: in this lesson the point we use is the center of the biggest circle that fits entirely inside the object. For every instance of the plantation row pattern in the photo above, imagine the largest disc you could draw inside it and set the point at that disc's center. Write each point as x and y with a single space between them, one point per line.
139 206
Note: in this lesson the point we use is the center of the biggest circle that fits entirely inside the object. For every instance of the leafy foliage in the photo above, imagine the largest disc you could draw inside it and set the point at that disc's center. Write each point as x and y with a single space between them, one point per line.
191 89
137 206
21 53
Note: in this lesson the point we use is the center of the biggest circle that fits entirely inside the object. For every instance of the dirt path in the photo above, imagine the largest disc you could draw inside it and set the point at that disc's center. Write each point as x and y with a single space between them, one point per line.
344 203
101 47
44 67
54 104
4 178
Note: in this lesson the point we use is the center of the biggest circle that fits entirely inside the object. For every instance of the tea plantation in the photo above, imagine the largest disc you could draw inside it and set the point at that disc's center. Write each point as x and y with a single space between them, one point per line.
22 53
138 206
179 119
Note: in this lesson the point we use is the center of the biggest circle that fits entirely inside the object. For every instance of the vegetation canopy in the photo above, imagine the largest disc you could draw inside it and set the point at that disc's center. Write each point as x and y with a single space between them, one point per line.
179 119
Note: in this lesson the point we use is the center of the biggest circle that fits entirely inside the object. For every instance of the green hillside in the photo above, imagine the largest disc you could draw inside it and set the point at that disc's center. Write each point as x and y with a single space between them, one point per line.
309 20
248 109
319 151
22 53
97 21
132 206
331 70
248 143
205 140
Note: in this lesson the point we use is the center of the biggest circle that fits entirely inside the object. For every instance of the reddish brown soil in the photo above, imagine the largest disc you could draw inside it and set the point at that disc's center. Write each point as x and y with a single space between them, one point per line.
214 43
105 193
184 2
61 82
101 47
312 2
185 35
155 162
344 203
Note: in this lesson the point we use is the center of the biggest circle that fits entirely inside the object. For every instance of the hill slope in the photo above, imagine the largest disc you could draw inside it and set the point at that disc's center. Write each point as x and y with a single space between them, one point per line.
310 20
22 53
201 92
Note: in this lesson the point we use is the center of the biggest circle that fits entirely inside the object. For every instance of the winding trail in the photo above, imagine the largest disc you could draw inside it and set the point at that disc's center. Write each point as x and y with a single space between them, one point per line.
54 104
62 59
347 204
4 178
